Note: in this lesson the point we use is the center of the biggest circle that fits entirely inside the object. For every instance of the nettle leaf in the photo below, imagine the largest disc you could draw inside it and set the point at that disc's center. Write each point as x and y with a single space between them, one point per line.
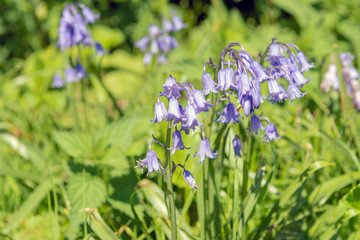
85 191
120 133
75 144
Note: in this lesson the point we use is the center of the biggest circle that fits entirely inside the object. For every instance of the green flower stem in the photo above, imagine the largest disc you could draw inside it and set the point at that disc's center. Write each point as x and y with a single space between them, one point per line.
236 199
169 184
206 233
246 165
72 103
111 96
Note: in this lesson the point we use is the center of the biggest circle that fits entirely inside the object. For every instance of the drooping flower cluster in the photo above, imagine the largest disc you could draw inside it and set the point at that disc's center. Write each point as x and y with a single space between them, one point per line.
351 78
159 41
285 64
71 75
73 26
239 75
73 32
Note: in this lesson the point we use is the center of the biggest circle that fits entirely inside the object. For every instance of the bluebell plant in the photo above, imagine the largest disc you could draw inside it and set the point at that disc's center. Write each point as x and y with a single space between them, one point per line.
239 75
160 41
74 32
350 77
237 82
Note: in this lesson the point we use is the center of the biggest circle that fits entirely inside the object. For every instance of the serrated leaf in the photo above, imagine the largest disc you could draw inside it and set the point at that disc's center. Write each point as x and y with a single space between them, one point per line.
85 191
74 144
120 133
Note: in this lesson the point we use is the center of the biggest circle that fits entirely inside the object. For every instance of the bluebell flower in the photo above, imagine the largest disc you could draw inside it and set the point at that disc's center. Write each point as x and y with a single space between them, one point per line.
229 114
225 79
191 118
70 75
244 83
142 43
205 150
274 49
178 24
147 58
58 82
294 92
209 84
177 142
167 26
160 40
305 65
271 132
80 71
160 112
154 31
330 79
255 93
171 88
151 162
197 99
259 71
89 16
72 29
298 78
237 146
276 91
99 49
256 124
356 100
154 47
174 111
166 43
190 180
162 59
247 105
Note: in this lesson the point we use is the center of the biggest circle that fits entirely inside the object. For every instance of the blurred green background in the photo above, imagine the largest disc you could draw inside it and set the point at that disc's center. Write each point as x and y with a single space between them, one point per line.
49 170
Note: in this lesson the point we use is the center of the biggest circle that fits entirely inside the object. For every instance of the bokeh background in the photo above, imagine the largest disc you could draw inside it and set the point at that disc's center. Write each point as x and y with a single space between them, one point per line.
49 169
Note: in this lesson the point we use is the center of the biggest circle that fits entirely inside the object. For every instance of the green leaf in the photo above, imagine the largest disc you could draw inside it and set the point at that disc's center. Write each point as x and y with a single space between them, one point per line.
74 144
323 191
301 179
26 150
37 227
348 153
120 133
107 36
30 204
99 226
85 191
353 197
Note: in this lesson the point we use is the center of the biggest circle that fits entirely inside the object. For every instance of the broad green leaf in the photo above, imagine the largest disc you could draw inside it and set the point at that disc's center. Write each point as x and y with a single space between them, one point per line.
120 133
85 191
75 144
108 37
